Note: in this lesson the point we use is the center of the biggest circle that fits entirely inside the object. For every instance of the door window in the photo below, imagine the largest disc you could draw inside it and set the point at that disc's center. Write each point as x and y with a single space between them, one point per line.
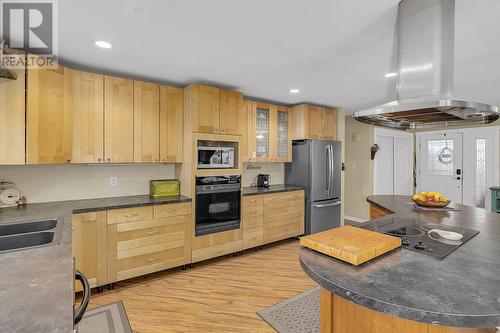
480 172
262 132
440 158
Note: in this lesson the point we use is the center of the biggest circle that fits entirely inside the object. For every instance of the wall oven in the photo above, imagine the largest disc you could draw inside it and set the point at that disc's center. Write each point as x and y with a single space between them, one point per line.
215 157
218 204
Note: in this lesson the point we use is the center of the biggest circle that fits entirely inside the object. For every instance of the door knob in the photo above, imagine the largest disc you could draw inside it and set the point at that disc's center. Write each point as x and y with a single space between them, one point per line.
458 178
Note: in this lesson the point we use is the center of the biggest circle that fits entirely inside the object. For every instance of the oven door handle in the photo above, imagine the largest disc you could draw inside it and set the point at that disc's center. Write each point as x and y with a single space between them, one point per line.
225 189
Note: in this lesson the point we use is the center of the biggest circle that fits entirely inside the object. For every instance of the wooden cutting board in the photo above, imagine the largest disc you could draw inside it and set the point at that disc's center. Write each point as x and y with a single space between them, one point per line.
351 244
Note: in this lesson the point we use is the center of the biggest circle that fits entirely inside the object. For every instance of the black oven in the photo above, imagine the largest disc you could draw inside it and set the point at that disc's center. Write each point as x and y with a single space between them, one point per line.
218 204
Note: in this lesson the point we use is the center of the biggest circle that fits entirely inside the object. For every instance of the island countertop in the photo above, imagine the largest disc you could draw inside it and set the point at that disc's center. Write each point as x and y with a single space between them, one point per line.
36 285
460 290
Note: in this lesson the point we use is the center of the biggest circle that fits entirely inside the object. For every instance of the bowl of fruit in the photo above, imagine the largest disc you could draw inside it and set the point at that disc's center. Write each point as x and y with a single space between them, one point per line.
431 199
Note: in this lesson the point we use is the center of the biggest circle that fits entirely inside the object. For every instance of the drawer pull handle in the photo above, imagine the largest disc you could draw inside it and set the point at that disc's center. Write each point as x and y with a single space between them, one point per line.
152 259
154 232
131 215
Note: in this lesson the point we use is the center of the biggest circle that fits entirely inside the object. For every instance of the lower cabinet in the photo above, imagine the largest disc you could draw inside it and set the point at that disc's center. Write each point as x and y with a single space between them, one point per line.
271 217
376 212
145 240
216 245
119 244
89 247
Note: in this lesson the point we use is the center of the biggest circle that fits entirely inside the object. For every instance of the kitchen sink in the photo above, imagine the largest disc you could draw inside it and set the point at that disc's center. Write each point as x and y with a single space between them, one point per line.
22 228
28 235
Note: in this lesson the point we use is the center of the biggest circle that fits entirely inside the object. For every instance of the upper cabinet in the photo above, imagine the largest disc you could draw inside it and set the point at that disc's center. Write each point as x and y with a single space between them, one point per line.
12 120
314 122
84 99
213 110
171 123
48 122
118 120
146 122
269 137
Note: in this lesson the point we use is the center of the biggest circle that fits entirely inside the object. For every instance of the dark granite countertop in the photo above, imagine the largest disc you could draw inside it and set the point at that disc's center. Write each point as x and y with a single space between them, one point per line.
461 290
36 285
254 190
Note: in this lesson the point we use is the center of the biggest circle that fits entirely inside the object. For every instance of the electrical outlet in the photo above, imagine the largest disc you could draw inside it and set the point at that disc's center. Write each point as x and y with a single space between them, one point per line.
113 181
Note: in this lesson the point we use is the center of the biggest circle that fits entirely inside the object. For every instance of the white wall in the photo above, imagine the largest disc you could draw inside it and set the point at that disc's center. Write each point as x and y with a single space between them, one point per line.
276 170
44 183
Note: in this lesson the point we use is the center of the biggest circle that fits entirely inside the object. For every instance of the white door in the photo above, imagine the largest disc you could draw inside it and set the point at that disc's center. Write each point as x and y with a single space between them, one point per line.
440 164
384 165
393 164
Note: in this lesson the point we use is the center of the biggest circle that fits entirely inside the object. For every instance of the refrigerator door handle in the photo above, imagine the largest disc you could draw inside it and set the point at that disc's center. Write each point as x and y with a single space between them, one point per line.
332 169
328 171
327 205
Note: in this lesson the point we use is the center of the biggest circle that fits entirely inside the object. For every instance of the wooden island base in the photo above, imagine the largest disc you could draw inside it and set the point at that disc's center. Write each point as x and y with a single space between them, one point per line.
338 315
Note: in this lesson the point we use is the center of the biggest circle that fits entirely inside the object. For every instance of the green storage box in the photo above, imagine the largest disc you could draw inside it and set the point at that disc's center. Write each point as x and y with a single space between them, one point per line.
164 187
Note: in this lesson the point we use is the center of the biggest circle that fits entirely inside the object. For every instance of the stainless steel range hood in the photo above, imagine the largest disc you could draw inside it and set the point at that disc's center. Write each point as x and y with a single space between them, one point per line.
425 55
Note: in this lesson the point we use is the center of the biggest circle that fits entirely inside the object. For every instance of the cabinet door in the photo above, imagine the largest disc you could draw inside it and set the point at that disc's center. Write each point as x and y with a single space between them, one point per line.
118 120
48 123
171 124
205 109
89 247
146 122
248 132
262 135
283 137
84 99
329 130
314 122
12 120
231 103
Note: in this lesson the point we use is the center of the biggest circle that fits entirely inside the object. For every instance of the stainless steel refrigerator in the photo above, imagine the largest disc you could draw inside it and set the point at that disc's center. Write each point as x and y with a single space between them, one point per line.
317 167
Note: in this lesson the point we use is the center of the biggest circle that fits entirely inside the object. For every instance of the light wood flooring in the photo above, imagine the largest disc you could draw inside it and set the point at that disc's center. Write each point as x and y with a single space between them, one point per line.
220 295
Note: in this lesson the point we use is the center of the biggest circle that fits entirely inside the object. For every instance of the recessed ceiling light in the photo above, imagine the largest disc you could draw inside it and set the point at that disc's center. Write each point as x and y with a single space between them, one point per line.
102 44
294 91
391 74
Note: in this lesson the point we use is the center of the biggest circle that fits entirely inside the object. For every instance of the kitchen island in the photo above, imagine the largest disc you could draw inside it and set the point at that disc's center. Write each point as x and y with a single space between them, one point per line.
406 291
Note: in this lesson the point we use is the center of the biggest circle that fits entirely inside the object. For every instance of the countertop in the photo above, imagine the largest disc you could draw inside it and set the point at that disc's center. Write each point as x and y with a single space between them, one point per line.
460 290
36 285
254 190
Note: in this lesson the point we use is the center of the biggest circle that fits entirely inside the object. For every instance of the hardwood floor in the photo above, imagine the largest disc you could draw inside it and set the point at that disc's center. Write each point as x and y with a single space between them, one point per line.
219 295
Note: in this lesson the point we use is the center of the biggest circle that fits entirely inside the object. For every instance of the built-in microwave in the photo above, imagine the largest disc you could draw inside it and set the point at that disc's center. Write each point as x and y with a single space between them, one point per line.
215 157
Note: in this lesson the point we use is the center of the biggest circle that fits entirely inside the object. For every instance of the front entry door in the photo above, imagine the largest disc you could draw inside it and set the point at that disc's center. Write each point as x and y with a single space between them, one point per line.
440 165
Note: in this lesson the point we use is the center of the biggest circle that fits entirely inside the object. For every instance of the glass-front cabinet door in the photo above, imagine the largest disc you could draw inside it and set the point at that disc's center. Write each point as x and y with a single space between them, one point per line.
262 150
283 151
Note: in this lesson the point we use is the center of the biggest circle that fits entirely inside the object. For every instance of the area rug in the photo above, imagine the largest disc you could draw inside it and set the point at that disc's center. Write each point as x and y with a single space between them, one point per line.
299 314
110 318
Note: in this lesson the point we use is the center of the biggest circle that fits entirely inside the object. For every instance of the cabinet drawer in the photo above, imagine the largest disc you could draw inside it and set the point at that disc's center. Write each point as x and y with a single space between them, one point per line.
130 214
146 263
253 237
149 236
252 222
283 197
252 211
279 208
216 250
172 210
283 229
253 200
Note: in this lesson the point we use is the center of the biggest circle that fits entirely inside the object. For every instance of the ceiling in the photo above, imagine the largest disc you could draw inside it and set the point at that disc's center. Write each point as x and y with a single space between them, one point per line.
336 52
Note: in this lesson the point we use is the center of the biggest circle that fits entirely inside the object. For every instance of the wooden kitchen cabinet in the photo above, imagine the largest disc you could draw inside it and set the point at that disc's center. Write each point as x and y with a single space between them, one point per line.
84 99
144 240
203 104
48 122
231 103
118 120
89 247
269 133
213 110
376 212
283 215
313 122
12 119
146 122
171 124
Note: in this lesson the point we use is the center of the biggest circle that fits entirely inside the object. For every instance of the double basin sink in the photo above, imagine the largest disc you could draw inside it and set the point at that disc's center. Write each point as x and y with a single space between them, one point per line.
27 235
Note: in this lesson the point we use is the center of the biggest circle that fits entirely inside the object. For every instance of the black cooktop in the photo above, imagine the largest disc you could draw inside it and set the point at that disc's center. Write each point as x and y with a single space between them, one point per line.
418 235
